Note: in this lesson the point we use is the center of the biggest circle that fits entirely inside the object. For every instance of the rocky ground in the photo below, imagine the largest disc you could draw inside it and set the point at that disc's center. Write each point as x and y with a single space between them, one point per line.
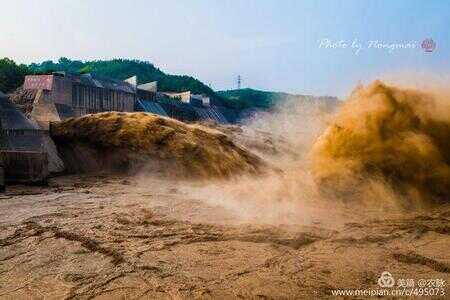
113 237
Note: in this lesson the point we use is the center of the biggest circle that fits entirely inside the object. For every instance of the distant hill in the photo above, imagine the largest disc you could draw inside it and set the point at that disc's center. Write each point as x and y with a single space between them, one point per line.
125 68
250 98
246 98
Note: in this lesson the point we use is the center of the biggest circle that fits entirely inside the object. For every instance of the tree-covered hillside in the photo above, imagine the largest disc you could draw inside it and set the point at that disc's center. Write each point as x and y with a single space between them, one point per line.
250 98
247 98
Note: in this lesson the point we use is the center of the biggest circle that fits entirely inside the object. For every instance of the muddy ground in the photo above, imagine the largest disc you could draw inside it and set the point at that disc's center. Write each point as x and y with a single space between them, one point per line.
112 237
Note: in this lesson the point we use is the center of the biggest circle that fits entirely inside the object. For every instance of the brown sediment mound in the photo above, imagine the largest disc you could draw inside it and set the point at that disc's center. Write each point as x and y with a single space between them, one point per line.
396 136
124 140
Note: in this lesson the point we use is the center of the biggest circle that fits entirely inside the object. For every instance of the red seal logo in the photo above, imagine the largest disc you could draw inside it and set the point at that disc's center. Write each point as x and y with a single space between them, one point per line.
428 45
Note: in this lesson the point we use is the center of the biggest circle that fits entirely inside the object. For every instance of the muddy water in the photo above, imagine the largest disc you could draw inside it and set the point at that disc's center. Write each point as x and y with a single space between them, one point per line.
114 237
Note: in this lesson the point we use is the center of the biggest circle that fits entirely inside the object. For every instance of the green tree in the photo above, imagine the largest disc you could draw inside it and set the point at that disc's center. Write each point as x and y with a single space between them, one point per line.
11 75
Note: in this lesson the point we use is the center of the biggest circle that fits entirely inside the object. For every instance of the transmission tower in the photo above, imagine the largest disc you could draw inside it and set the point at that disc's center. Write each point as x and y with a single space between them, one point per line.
239 80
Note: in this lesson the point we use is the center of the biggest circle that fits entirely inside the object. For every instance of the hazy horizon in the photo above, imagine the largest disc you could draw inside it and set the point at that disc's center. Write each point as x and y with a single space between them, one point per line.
292 46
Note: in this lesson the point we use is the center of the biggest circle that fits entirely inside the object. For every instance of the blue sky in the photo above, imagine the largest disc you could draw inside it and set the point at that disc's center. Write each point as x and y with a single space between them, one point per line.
273 45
